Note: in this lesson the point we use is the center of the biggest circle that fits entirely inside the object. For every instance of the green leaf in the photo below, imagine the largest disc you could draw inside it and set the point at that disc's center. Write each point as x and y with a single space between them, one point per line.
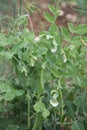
55 33
1 97
4 87
77 125
80 103
76 41
71 27
54 29
1 106
48 17
54 72
39 106
8 92
3 40
28 39
65 33
70 109
6 55
56 16
80 29
52 8
21 20
47 76
12 127
12 94
17 47
45 113
28 36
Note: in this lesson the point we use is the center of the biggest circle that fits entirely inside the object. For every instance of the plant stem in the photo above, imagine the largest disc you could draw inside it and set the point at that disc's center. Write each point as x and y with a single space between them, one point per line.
62 112
20 7
14 8
30 21
54 128
40 127
61 98
35 126
28 97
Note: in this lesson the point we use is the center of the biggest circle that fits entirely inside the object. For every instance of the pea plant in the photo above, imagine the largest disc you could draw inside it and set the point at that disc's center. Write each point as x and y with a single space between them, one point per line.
47 87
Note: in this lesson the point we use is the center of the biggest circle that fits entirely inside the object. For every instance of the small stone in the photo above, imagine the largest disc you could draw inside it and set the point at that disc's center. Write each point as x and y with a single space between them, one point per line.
61 12
69 16
74 18
63 4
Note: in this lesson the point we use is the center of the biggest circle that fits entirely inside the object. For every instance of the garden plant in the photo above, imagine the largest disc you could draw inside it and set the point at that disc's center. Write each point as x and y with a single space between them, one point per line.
44 85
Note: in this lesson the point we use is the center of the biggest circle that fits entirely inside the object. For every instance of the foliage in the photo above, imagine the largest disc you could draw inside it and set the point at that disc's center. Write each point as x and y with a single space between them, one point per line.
47 86
82 6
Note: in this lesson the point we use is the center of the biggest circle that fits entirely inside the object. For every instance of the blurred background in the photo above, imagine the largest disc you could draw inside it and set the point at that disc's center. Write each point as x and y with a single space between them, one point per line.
70 10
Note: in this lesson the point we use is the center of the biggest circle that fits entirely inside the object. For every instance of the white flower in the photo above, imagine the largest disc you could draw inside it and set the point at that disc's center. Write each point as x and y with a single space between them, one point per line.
32 63
64 59
54 102
19 33
71 47
64 56
54 42
24 70
48 37
37 39
44 65
53 50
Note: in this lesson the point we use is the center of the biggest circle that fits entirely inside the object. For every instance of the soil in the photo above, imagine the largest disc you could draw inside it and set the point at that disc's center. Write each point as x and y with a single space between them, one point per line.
67 14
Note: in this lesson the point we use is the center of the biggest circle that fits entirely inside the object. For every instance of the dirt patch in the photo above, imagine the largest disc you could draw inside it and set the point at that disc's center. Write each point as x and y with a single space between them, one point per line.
67 14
